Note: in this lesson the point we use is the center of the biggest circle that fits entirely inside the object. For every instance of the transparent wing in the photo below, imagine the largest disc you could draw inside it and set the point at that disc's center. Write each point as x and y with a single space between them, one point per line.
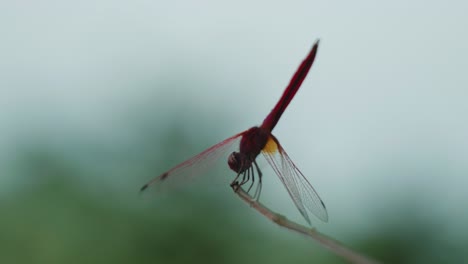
196 164
301 191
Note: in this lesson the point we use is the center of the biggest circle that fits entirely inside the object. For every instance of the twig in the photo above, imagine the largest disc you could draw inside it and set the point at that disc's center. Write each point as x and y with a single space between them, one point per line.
329 243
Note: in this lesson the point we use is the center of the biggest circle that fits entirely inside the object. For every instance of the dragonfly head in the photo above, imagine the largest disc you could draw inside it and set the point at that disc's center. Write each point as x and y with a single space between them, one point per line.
239 162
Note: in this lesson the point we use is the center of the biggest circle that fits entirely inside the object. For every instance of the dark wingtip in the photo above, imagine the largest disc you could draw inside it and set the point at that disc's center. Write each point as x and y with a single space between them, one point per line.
164 176
323 204
144 187
159 178
325 217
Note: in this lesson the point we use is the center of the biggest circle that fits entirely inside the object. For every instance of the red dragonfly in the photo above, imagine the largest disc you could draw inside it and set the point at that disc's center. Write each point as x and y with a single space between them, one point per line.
258 140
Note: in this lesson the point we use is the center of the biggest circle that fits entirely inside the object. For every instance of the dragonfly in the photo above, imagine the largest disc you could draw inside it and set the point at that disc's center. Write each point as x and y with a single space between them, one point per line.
256 140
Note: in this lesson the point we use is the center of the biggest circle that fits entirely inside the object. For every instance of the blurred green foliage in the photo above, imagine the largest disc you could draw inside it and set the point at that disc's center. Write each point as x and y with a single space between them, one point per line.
56 216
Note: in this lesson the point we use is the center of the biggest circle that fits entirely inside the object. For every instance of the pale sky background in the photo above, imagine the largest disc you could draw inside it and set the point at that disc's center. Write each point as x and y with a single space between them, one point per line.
381 119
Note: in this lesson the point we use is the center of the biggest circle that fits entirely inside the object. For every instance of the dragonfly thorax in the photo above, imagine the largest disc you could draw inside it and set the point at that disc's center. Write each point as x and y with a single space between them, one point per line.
253 141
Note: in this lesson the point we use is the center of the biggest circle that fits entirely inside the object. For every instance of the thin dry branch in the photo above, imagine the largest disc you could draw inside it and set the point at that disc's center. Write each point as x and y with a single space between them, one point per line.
327 242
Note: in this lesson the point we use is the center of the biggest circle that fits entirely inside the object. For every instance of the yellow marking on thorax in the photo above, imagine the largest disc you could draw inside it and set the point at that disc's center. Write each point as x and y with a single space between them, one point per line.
270 146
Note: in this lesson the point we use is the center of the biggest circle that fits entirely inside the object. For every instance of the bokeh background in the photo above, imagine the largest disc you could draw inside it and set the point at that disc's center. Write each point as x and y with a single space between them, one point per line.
97 97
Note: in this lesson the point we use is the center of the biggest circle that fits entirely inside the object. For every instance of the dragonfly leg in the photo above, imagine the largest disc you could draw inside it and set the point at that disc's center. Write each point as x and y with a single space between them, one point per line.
245 177
259 185
253 179
235 184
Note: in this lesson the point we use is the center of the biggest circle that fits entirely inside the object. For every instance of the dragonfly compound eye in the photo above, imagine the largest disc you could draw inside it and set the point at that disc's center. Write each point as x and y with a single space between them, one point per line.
234 161
238 162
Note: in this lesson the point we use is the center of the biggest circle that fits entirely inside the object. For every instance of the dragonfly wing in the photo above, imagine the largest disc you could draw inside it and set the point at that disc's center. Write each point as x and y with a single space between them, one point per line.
301 191
196 164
